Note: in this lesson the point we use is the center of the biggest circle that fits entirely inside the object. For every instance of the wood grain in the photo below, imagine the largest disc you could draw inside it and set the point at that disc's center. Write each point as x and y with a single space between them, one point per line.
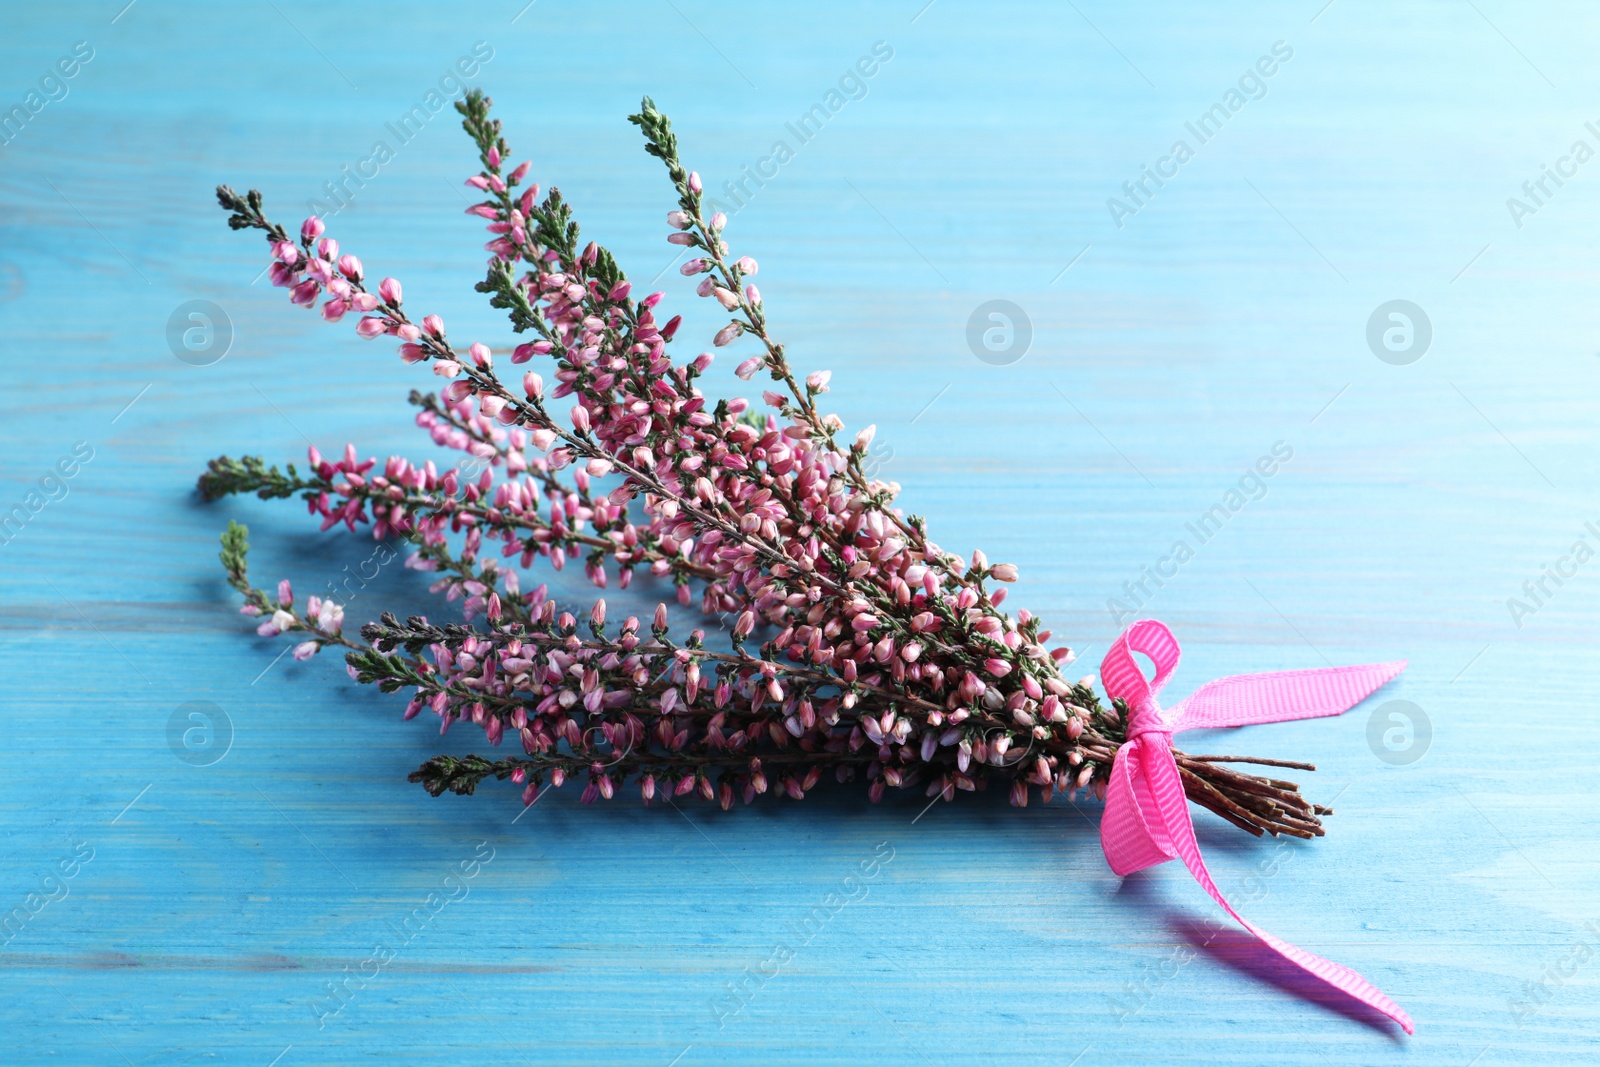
1226 315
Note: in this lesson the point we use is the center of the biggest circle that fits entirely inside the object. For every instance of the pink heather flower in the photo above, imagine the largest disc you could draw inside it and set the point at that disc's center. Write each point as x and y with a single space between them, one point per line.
685 239
312 228
305 293
694 181
882 656
285 593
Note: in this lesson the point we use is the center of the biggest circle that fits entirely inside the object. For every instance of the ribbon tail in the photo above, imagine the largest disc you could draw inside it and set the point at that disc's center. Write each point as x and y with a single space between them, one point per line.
1279 696
1170 813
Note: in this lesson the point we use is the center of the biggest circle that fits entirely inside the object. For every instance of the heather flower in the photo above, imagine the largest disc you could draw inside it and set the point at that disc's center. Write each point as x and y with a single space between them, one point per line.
851 645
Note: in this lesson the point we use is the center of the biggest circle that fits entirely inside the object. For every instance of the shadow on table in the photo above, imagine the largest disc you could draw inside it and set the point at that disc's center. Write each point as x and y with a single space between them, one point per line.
1236 948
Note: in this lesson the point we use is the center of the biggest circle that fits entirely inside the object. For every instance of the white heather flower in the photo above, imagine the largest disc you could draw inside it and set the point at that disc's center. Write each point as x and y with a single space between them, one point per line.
330 618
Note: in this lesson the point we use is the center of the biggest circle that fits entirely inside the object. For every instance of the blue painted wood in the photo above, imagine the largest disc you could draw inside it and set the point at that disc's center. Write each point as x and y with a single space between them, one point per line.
208 907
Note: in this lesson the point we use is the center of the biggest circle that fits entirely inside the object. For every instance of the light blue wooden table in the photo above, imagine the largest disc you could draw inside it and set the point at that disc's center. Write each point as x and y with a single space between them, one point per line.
208 908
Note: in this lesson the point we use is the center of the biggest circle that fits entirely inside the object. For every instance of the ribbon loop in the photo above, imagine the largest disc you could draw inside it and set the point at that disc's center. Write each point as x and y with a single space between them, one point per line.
1124 679
1146 818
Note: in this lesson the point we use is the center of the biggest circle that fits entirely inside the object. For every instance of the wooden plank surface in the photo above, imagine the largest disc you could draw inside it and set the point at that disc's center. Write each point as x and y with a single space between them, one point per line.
208 907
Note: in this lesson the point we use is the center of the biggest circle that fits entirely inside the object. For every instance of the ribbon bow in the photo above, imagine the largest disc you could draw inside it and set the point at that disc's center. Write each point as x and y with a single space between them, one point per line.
1146 817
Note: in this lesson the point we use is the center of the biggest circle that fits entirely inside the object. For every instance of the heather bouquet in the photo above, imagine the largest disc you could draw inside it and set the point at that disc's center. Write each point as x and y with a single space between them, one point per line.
846 642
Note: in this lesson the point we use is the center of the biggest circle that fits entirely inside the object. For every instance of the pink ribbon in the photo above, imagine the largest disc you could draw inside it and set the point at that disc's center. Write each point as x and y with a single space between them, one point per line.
1146 817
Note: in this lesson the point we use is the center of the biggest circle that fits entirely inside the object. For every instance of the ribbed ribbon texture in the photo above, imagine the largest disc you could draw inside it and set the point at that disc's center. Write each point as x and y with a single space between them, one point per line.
1146 817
